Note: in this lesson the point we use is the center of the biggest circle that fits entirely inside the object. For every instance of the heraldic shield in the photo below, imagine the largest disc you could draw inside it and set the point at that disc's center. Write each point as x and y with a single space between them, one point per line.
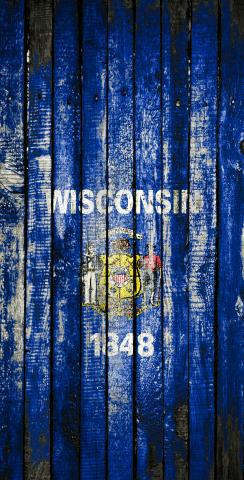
114 276
120 277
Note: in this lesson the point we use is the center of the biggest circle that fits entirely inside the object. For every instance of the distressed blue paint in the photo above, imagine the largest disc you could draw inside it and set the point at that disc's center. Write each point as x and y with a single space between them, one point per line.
94 145
149 375
12 239
95 432
38 275
231 246
175 231
120 176
202 241
66 244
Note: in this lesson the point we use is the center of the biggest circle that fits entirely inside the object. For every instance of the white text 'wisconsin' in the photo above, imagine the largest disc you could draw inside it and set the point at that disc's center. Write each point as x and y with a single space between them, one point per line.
125 202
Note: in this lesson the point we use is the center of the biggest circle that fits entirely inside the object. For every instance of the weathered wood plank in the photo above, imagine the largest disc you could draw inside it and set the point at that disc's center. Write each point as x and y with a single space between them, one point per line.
202 236
12 213
120 245
175 237
230 411
94 151
66 241
115 413
149 375
38 268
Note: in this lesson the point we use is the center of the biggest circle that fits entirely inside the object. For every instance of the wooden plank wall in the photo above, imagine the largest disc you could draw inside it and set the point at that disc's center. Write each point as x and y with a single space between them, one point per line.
122 239
38 239
12 278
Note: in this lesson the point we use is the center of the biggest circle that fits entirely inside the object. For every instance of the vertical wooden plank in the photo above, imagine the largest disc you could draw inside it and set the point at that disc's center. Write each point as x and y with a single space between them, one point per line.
38 281
12 238
66 241
230 434
175 237
148 341
202 236
120 243
94 152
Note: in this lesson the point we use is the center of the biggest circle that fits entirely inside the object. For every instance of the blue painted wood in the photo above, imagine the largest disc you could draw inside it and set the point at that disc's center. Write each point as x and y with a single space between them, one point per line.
38 270
202 237
149 375
122 416
175 237
230 411
94 152
66 242
12 211
120 177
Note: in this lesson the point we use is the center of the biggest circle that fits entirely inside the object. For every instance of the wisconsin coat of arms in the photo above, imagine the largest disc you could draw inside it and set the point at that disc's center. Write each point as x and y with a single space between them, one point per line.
115 281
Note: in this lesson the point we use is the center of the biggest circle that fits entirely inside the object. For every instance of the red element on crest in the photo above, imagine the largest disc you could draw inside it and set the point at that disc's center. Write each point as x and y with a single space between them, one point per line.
119 278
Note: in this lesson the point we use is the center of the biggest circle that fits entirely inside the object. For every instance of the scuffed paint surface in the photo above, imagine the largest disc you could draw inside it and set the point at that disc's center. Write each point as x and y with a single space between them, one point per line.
127 97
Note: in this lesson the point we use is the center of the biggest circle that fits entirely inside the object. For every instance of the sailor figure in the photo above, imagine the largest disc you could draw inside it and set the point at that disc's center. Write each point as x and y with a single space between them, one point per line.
89 275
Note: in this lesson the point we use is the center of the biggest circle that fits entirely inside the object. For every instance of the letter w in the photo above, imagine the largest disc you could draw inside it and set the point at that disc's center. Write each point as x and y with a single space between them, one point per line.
63 200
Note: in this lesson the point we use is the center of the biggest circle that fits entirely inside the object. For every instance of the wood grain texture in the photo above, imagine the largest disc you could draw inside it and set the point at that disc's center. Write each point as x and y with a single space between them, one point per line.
12 213
202 237
66 242
230 411
38 267
175 114
103 104
148 171
94 170
120 176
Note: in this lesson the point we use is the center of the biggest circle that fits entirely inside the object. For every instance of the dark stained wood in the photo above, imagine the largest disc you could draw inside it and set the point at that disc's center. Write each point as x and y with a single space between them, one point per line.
175 111
94 178
39 224
230 381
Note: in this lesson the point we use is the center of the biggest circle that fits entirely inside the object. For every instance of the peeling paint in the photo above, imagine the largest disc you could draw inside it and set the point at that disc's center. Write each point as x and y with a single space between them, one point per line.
61 320
181 468
35 470
40 37
181 422
11 179
155 469
237 11
229 449
178 14
38 470
128 4
239 307
16 306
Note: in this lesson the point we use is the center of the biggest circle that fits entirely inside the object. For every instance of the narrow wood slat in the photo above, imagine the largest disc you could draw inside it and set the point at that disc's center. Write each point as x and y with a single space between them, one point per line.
12 215
66 241
149 375
38 269
202 236
123 415
230 412
94 150
175 237
120 177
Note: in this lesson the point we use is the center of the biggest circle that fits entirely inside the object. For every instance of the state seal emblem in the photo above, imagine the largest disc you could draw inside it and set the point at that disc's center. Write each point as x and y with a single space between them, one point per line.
115 281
